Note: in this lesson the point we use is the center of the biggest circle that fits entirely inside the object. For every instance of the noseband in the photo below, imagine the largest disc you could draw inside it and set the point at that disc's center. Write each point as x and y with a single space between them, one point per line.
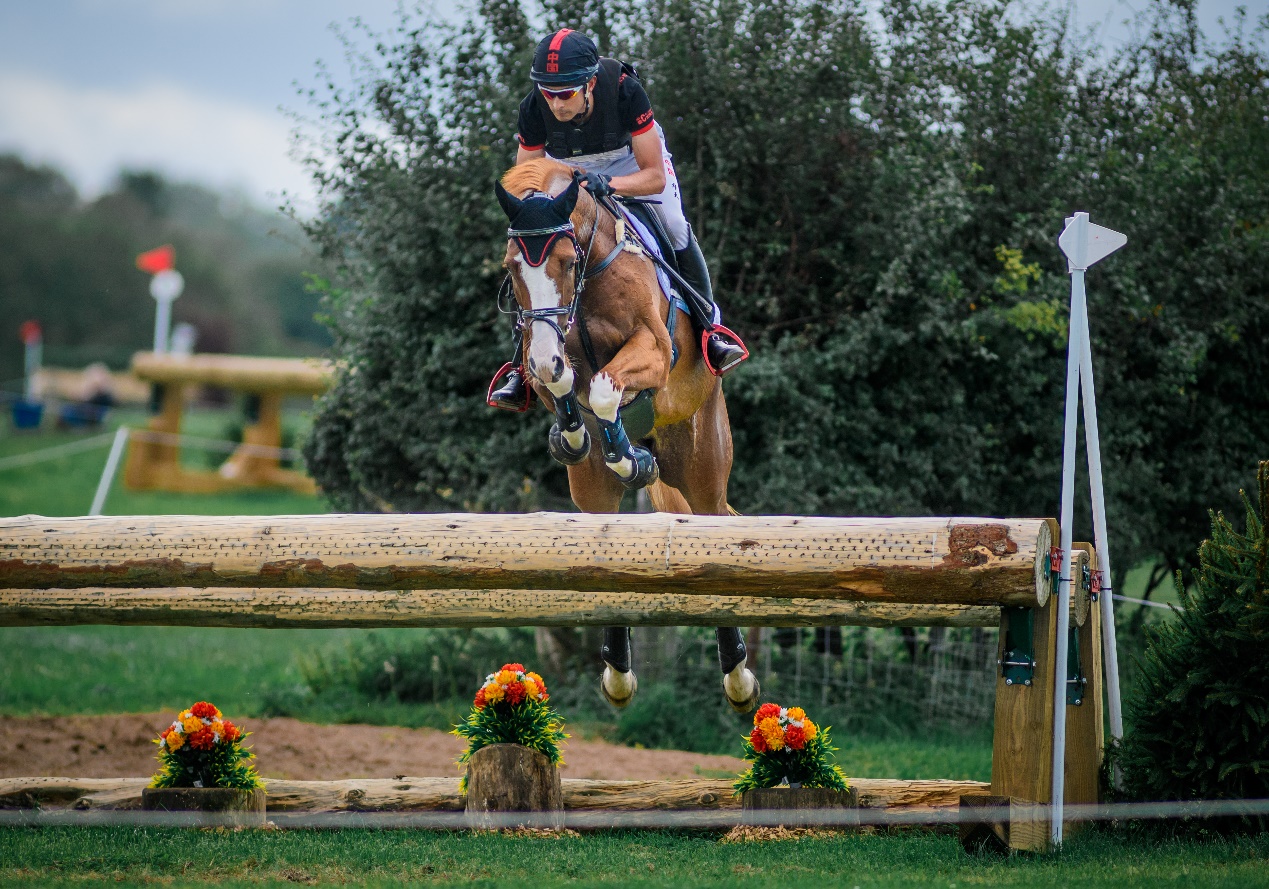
525 317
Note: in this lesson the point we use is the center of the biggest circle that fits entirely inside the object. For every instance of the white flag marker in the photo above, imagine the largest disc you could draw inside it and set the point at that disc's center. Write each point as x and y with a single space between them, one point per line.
1084 244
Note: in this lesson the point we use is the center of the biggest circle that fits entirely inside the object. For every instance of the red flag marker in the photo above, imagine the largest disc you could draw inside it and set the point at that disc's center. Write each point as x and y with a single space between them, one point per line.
160 259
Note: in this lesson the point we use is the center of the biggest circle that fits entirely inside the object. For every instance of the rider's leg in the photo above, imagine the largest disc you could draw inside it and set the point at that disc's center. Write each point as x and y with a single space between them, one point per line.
723 350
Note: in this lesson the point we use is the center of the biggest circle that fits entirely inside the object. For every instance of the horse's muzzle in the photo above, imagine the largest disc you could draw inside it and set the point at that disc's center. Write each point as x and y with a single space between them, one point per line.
547 371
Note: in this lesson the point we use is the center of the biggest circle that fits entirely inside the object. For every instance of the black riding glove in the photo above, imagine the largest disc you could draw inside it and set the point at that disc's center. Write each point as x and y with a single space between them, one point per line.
598 184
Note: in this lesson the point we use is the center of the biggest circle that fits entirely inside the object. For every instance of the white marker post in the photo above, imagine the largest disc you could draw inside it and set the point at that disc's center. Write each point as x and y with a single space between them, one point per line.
165 287
1084 244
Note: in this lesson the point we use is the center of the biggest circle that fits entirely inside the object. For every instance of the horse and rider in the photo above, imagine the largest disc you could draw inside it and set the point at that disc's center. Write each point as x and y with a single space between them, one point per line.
617 331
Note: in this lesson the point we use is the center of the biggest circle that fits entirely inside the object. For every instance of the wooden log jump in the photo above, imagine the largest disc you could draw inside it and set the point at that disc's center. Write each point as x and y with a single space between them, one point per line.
928 561
316 608
154 459
546 569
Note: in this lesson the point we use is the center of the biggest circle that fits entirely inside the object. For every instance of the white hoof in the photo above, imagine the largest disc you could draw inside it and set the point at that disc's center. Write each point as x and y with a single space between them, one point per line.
618 688
741 688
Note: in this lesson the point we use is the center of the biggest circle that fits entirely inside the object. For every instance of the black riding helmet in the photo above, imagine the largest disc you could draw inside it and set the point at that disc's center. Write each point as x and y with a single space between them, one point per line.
566 58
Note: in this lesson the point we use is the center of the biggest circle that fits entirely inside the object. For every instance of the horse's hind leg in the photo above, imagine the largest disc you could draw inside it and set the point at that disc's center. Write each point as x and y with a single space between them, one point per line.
699 464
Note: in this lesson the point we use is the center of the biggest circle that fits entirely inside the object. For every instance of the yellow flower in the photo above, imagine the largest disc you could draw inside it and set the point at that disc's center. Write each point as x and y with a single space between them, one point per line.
175 740
185 714
809 729
506 677
494 692
531 688
536 678
191 724
217 726
797 713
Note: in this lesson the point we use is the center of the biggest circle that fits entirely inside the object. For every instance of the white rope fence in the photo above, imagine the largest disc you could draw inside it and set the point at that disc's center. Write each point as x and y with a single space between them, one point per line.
597 819
120 437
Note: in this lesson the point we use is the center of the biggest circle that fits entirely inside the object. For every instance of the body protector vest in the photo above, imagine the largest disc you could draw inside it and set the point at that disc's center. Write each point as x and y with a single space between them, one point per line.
603 131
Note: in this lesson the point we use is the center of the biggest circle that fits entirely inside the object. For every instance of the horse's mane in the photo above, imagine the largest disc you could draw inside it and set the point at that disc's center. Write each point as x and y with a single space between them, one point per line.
538 174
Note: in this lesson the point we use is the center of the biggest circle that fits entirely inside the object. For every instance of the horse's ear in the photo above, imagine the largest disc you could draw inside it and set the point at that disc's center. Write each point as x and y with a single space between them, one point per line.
565 201
510 203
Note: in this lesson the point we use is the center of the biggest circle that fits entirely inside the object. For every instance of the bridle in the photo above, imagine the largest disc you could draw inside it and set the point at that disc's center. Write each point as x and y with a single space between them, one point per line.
581 274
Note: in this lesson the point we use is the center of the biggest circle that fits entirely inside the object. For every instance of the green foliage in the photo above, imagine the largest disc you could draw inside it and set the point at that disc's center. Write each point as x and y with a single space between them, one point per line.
812 766
418 666
225 764
851 179
1200 715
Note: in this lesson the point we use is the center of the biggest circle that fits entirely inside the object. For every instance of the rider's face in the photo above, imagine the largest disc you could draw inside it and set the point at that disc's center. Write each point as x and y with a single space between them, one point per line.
567 109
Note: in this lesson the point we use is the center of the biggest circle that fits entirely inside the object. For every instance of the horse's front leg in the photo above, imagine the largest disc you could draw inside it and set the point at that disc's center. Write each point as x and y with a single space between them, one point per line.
640 364
569 442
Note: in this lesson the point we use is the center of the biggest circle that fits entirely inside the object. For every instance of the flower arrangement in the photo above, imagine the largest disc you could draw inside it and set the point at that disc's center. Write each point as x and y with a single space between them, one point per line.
511 708
203 749
785 745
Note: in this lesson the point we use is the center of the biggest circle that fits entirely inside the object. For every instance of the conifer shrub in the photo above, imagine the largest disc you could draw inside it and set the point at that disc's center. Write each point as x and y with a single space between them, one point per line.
1199 720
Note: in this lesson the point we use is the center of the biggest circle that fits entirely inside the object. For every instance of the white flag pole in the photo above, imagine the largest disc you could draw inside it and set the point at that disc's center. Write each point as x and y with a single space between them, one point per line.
1092 444
1084 244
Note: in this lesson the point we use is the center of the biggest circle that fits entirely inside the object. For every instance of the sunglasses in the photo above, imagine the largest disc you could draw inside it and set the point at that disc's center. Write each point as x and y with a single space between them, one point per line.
564 94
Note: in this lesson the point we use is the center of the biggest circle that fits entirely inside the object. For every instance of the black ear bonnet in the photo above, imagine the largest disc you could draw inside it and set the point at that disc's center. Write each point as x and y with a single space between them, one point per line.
538 220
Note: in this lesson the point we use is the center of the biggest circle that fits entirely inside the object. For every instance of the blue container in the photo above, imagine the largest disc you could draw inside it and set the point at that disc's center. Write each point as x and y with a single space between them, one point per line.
27 414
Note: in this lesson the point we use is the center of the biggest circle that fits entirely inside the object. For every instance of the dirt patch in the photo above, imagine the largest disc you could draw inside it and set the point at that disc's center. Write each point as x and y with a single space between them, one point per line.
122 747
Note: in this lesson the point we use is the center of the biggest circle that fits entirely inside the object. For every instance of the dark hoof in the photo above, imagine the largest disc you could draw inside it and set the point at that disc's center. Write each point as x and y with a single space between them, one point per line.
646 470
561 451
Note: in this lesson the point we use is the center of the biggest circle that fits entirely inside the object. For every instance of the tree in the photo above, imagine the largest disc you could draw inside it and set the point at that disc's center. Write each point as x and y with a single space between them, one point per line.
880 204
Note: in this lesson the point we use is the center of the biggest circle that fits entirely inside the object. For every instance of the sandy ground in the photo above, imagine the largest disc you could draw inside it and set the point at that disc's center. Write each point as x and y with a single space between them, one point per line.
122 747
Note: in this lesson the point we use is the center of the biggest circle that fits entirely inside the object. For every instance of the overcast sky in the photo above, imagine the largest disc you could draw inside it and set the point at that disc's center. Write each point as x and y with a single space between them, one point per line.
194 88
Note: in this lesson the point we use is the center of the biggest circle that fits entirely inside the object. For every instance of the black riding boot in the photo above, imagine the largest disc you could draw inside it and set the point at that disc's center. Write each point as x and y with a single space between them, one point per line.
513 394
723 350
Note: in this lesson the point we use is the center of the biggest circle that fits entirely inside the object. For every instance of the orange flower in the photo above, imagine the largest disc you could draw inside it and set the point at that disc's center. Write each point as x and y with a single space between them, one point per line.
174 739
479 703
494 692
515 693
232 732
771 731
797 713
505 677
530 688
758 741
191 724
795 737
514 668
809 729
539 680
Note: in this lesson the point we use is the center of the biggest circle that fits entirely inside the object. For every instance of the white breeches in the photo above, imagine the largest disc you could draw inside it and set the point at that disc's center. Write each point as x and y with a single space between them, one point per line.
622 163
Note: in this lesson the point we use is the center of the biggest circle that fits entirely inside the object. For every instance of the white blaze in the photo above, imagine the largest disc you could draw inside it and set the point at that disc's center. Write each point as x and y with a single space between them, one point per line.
544 344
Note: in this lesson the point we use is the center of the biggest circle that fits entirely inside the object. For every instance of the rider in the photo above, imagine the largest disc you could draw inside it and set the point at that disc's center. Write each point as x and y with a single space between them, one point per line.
593 114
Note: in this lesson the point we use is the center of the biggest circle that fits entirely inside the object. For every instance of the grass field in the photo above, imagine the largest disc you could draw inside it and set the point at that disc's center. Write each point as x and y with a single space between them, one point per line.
69 856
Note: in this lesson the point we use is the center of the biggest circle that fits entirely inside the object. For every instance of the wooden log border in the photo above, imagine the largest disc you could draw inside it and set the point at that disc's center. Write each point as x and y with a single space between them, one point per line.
954 561
319 608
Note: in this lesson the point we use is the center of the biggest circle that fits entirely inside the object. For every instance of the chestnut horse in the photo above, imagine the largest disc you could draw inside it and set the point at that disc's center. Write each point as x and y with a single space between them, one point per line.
598 331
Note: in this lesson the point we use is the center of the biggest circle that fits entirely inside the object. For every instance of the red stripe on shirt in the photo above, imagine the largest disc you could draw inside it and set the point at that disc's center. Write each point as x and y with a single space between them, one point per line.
644 129
520 139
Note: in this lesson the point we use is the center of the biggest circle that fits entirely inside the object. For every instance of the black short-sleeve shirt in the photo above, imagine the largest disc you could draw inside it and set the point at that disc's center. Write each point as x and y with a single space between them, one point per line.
634 113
